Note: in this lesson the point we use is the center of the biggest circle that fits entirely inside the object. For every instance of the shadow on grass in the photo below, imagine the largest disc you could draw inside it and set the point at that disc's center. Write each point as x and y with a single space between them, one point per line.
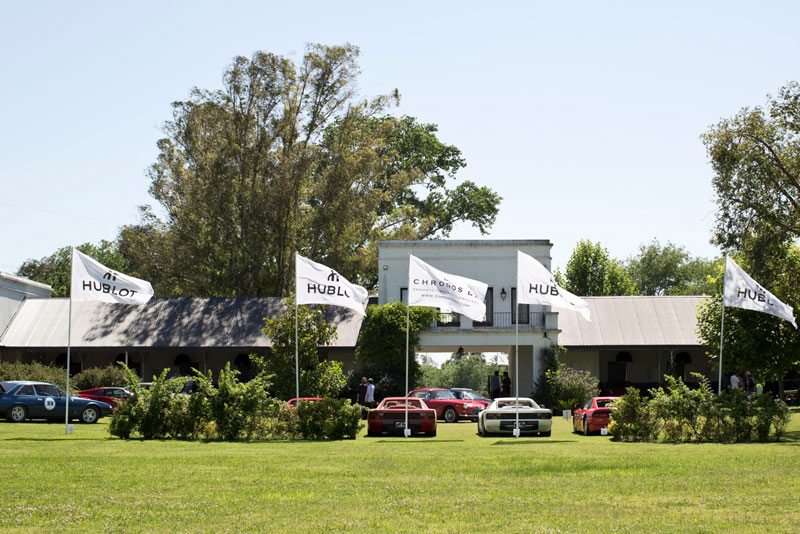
513 441
430 439
64 438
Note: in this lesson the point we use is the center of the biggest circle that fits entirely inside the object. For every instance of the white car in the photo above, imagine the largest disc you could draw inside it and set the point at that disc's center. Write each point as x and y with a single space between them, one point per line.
500 417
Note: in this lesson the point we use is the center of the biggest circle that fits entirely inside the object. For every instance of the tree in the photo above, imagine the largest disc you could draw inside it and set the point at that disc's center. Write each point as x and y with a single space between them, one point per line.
55 270
317 378
592 272
381 346
670 270
753 340
287 158
755 156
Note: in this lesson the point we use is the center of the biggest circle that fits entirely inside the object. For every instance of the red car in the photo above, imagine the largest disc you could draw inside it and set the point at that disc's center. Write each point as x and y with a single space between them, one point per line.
110 396
389 417
447 405
293 402
594 415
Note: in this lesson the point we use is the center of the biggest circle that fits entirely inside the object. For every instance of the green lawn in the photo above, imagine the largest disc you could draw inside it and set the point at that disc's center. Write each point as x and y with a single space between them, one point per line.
456 482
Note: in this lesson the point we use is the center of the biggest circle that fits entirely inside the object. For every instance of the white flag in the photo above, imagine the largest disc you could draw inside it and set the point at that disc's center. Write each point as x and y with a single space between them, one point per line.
741 291
537 285
317 284
91 280
428 286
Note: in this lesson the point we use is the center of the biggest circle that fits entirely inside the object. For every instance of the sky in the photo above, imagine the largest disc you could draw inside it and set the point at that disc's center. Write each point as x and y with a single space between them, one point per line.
586 118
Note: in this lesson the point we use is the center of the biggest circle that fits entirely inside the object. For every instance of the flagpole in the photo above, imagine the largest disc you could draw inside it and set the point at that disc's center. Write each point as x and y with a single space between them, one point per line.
406 430
69 341
722 325
516 365
296 354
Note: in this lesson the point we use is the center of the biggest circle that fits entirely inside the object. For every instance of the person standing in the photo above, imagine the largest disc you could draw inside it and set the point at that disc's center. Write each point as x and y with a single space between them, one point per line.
362 391
749 383
506 385
370 396
494 383
736 382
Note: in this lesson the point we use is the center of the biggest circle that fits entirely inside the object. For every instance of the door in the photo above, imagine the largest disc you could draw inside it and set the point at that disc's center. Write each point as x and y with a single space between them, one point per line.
50 401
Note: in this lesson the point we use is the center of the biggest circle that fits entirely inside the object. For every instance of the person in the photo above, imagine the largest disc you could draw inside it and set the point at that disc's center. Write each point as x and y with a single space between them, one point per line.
749 383
494 384
370 396
735 382
362 391
506 384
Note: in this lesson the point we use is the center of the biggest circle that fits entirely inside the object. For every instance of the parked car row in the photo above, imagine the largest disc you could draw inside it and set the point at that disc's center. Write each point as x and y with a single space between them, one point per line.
21 400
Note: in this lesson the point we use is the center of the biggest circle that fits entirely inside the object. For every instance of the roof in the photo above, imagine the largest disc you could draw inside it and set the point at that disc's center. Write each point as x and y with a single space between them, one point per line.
632 322
185 322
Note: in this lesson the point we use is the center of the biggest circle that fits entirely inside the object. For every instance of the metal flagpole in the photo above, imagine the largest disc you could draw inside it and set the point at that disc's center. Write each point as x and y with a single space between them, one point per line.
296 353
406 430
722 325
516 364
69 340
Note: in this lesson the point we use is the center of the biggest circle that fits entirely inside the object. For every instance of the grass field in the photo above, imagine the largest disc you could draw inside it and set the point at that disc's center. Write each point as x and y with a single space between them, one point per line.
454 483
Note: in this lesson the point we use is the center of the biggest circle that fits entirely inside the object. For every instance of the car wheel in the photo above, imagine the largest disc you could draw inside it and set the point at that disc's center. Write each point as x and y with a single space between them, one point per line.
586 431
545 434
574 425
90 415
480 428
431 434
372 434
17 414
450 415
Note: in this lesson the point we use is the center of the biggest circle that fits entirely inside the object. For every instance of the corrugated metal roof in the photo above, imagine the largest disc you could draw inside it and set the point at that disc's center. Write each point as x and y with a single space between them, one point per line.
166 322
632 321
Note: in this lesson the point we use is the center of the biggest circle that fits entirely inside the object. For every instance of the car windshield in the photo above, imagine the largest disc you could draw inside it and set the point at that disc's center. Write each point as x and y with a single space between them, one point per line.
445 394
469 395
604 403
401 405
513 404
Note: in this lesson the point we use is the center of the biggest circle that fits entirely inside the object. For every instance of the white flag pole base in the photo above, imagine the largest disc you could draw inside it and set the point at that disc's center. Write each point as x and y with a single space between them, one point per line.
516 432
407 432
69 429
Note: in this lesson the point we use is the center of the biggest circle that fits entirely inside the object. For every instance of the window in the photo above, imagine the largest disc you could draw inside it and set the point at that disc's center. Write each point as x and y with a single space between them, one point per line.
524 310
26 391
420 395
46 390
445 394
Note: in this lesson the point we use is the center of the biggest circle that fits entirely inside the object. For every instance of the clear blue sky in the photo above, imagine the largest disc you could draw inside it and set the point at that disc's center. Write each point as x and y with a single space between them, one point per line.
585 118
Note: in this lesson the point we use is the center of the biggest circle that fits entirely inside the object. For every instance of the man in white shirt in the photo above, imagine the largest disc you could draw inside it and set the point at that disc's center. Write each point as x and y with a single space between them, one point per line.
370 397
735 381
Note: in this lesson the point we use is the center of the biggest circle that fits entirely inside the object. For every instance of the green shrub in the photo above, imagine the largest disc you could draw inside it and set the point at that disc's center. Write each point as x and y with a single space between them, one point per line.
328 419
34 371
96 377
631 418
236 407
568 386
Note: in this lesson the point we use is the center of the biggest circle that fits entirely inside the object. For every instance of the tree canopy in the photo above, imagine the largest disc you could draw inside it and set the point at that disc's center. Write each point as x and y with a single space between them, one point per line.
592 272
284 158
755 156
671 270
54 270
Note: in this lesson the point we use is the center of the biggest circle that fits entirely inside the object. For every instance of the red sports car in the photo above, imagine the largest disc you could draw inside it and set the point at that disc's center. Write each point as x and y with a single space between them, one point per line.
110 396
594 415
447 405
389 417
293 402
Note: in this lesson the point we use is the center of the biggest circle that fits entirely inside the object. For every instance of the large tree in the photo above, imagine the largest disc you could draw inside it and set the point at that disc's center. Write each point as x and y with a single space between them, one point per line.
756 341
591 271
287 157
670 270
54 270
755 156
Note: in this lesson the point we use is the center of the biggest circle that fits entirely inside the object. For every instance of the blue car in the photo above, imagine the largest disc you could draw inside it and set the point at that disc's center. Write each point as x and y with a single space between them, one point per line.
20 400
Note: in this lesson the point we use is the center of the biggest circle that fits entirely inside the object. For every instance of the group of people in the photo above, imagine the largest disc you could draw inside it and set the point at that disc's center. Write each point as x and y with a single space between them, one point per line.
747 383
366 393
500 387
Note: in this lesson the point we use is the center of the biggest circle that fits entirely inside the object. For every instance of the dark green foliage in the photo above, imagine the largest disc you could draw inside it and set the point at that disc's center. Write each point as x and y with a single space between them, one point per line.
34 371
677 413
54 270
328 419
317 378
671 270
381 351
461 370
568 386
96 377
235 406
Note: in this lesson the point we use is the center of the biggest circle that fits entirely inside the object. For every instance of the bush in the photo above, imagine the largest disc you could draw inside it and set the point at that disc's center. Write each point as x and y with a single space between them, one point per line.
328 419
33 371
568 386
96 377
677 413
